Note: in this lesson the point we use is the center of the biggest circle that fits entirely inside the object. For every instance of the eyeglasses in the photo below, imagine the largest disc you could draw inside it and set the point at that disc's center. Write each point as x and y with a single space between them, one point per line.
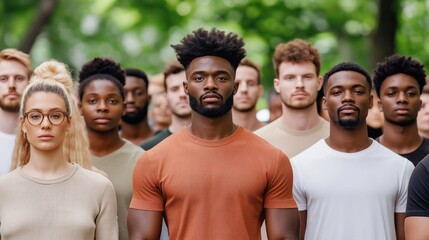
35 117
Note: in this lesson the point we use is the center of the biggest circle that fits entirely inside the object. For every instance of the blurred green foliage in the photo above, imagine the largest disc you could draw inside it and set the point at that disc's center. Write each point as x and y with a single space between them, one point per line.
138 33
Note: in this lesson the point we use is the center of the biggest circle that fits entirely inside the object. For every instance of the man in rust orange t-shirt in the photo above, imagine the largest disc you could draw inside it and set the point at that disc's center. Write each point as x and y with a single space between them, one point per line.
212 179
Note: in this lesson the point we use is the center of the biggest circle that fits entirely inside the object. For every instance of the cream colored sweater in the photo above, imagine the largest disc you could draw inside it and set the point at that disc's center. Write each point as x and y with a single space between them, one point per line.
80 205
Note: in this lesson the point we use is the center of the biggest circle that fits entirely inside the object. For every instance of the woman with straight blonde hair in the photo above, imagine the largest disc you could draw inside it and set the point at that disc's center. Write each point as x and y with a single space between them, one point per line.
49 195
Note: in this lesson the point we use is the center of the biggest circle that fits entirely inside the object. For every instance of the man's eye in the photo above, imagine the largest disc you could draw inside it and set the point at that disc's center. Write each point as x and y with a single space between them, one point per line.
411 93
222 78
20 78
92 101
113 101
199 78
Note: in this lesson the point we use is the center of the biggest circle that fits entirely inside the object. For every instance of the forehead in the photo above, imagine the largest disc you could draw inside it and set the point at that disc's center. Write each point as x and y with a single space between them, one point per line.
12 67
346 79
399 80
134 82
210 64
101 87
45 101
246 71
296 68
175 79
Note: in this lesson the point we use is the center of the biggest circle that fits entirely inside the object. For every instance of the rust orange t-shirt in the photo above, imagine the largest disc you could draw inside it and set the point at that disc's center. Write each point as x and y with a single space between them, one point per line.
213 189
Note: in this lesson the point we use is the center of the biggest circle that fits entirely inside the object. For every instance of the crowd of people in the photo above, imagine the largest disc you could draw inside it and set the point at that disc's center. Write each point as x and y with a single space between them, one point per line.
343 155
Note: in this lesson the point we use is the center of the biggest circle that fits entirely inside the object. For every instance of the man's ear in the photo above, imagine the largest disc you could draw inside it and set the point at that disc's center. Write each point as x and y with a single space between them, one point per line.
277 85
324 103
185 87
319 82
235 89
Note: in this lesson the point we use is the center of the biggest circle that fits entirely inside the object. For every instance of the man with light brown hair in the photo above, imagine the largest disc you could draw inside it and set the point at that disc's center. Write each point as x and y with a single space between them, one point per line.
297 67
250 89
15 71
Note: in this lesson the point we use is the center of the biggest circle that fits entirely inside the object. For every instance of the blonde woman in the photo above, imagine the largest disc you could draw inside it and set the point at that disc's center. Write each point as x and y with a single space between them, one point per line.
49 195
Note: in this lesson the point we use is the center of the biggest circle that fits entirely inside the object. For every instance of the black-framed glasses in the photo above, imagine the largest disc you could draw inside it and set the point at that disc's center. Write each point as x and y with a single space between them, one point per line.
55 117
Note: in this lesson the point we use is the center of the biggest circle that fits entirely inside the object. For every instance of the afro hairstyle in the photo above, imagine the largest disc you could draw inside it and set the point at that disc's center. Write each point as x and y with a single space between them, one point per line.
101 68
399 64
210 43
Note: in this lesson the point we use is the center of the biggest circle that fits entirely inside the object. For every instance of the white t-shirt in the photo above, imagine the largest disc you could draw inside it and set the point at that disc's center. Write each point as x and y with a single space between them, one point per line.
7 143
351 196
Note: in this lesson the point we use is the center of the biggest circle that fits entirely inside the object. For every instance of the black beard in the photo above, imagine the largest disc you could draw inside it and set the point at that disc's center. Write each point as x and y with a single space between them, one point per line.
137 117
349 123
211 112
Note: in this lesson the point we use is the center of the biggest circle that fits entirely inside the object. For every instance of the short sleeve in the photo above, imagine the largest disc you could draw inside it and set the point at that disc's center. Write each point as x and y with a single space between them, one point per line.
418 192
147 194
107 221
401 201
280 182
298 191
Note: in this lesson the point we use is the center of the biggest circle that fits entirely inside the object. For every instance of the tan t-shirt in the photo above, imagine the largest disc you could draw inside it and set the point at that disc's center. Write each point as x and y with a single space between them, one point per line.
293 142
80 205
119 166
213 189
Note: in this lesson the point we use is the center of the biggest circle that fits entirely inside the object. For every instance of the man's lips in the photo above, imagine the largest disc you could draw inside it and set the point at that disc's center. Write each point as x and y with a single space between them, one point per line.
348 109
211 97
299 94
402 110
102 120
12 95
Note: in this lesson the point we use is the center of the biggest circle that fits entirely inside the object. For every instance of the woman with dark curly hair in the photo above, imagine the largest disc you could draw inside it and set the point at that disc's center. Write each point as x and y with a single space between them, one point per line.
101 95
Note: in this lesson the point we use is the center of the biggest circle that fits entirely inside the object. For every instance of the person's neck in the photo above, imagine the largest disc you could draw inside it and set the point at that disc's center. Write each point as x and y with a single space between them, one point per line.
300 119
400 139
212 128
178 122
247 119
104 143
47 164
348 140
136 133
9 121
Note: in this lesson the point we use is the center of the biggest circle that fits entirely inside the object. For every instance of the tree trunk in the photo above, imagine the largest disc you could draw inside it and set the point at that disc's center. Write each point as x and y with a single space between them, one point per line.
45 11
384 37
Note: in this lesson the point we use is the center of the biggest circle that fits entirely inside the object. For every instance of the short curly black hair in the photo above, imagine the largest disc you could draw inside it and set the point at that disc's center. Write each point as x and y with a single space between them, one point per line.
210 43
134 72
399 64
101 68
346 66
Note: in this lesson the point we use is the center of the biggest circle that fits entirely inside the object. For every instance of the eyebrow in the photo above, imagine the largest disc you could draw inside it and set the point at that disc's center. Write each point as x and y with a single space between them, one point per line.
50 110
109 95
353 86
216 72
